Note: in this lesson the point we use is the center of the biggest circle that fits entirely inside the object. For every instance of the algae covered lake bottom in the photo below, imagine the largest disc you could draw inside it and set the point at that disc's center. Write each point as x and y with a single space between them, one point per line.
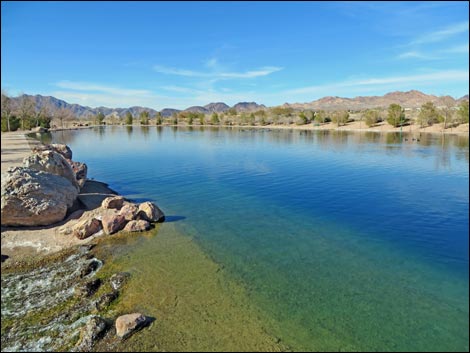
195 306
288 240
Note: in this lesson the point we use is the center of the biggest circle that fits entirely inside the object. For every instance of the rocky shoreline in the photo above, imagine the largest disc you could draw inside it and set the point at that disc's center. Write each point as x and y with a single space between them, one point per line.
58 301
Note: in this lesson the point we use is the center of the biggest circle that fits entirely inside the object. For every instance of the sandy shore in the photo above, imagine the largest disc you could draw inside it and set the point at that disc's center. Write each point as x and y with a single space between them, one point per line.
357 126
15 147
23 242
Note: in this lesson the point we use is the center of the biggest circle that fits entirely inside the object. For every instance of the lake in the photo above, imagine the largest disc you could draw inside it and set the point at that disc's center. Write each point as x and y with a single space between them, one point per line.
342 240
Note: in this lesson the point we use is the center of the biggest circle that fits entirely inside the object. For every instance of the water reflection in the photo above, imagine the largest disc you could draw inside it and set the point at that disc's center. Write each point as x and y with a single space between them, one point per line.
129 130
441 146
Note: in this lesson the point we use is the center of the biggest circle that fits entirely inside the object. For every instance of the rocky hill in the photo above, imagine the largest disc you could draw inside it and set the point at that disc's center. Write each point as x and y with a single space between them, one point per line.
248 106
410 99
217 107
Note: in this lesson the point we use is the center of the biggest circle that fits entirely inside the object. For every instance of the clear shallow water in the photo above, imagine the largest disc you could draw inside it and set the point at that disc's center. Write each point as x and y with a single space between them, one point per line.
351 241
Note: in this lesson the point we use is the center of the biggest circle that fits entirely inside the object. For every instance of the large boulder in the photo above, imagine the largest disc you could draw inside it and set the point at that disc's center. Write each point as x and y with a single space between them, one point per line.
51 162
86 227
33 198
64 150
113 202
112 223
129 211
127 324
150 212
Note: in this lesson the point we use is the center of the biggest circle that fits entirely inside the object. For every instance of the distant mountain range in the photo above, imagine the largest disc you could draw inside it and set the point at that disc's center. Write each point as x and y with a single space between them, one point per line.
410 99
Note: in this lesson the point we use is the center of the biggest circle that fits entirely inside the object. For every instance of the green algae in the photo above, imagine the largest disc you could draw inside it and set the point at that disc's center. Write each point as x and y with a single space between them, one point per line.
194 304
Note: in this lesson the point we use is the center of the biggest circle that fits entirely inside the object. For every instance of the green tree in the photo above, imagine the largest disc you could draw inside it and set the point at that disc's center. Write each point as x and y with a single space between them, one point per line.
215 119
12 123
462 112
159 119
282 111
260 113
312 116
428 115
371 117
232 112
175 119
190 119
302 119
252 119
395 115
129 118
201 119
7 110
100 118
340 117
144 117
321 117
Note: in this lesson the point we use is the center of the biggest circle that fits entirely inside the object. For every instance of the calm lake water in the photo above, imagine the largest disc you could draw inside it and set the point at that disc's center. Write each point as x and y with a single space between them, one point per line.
347 241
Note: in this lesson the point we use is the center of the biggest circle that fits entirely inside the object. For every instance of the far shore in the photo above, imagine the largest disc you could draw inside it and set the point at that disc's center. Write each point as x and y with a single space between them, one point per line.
355 126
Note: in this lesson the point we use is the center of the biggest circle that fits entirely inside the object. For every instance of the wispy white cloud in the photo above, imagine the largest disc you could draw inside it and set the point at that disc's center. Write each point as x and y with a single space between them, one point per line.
179 89
94 95
442 34
458 49
86 86
416 55
217 75
395 82
436 54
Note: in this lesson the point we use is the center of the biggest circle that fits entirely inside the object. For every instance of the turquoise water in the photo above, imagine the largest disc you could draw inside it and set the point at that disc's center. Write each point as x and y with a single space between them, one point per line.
348 241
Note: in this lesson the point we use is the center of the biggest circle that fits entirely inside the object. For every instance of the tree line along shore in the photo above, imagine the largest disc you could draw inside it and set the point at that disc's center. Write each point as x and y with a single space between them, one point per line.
25 115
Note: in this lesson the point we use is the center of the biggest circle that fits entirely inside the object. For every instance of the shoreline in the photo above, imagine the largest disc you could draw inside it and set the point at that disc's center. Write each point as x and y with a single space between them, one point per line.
383 127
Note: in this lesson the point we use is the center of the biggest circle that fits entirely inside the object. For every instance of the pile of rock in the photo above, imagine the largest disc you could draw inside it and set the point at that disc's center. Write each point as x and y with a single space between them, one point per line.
41 192
116 214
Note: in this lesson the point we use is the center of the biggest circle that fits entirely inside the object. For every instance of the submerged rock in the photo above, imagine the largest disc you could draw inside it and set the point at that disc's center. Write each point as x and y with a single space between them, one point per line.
33 198
103 301
118 279
127 324
90 333
88 288
137 226
113 202
51 162
90 267
150 212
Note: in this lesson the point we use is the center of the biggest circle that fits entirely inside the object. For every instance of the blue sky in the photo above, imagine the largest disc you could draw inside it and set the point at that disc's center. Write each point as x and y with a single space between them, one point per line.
179 54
